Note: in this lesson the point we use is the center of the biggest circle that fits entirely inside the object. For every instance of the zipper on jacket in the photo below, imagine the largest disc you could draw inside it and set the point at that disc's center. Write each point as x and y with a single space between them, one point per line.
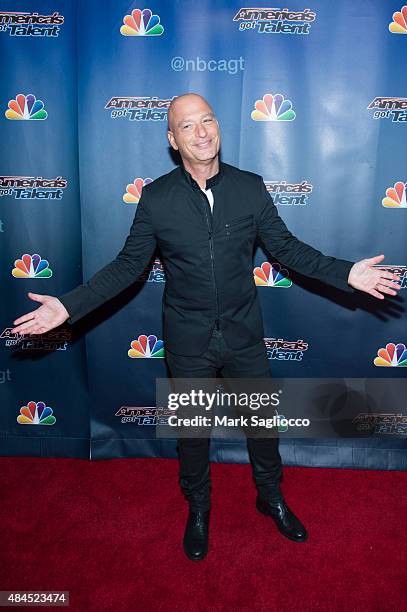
210 231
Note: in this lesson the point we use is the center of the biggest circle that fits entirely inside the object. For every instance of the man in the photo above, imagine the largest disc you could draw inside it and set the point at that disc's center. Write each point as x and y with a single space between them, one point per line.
205 218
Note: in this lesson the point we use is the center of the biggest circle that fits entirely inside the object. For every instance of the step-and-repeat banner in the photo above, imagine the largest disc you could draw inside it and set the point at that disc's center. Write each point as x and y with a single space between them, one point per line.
312 96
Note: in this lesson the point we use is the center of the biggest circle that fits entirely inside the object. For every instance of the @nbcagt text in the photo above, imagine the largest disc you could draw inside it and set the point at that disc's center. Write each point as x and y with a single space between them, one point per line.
199 64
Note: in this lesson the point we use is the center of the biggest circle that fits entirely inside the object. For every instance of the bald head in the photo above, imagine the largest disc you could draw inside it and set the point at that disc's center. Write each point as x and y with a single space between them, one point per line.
182 104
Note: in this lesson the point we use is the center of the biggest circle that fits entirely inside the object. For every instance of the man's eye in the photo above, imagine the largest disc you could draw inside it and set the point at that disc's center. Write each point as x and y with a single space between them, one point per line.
209 120
185 127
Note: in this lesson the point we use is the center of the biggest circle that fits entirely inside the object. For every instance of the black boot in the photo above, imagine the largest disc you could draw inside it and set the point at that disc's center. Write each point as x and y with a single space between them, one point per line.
196 534
287 523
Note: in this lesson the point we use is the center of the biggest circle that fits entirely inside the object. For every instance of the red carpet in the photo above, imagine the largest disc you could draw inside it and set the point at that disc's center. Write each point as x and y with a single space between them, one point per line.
110 532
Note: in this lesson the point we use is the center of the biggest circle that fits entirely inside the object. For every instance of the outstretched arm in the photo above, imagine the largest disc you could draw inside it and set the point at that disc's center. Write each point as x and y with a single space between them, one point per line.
303 258
294 253
105 284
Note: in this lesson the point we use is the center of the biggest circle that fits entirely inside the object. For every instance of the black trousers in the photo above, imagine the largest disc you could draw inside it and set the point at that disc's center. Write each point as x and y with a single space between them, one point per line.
194 472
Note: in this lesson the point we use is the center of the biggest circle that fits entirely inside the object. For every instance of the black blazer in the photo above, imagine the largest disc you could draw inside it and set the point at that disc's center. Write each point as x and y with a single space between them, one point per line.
208 260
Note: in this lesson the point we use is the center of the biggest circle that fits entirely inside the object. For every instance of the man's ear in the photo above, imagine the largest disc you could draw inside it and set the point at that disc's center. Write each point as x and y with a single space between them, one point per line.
171 140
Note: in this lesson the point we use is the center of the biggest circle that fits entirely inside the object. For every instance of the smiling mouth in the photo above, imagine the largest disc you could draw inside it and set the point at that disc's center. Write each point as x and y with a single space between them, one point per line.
203 145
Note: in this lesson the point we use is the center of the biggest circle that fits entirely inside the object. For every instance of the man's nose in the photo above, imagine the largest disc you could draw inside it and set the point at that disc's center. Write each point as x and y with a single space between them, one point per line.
201 130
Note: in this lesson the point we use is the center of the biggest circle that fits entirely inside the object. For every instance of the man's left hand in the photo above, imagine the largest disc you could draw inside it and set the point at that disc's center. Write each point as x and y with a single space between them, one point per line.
365 277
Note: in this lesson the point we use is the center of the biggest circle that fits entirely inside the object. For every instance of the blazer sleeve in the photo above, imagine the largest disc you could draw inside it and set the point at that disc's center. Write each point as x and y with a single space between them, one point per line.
116 276
294 253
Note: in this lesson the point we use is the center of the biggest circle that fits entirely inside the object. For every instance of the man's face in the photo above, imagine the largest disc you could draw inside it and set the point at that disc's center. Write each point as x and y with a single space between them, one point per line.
194 130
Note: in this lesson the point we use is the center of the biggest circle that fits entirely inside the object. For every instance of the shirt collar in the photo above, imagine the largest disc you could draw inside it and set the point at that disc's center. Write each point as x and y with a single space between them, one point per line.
211 182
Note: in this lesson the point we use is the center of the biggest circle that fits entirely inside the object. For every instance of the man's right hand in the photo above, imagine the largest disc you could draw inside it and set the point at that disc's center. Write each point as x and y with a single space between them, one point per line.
49 315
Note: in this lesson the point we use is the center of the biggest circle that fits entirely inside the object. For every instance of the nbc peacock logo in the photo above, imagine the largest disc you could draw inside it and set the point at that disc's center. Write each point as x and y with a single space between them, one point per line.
273 108
396 196
392 356
134 189
36 413
146 347
271 275
26 108
31 266
141 23
399 23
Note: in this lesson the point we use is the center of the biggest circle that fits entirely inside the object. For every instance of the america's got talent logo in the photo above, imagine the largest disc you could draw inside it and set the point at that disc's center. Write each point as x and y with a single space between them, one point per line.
284 350
389 108
275 20
139 108
144 415
155 273
32 188
22 23
54 340
289 194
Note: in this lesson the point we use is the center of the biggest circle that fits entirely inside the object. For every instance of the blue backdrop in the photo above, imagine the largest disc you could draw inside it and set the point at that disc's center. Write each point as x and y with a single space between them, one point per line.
309 96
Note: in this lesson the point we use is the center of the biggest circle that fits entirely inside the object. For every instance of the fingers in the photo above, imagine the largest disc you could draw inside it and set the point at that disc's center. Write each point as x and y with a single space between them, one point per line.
38 297
390 284
375 260
390 276
29 316
25 327
389 280
376 294
385 289
386 282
